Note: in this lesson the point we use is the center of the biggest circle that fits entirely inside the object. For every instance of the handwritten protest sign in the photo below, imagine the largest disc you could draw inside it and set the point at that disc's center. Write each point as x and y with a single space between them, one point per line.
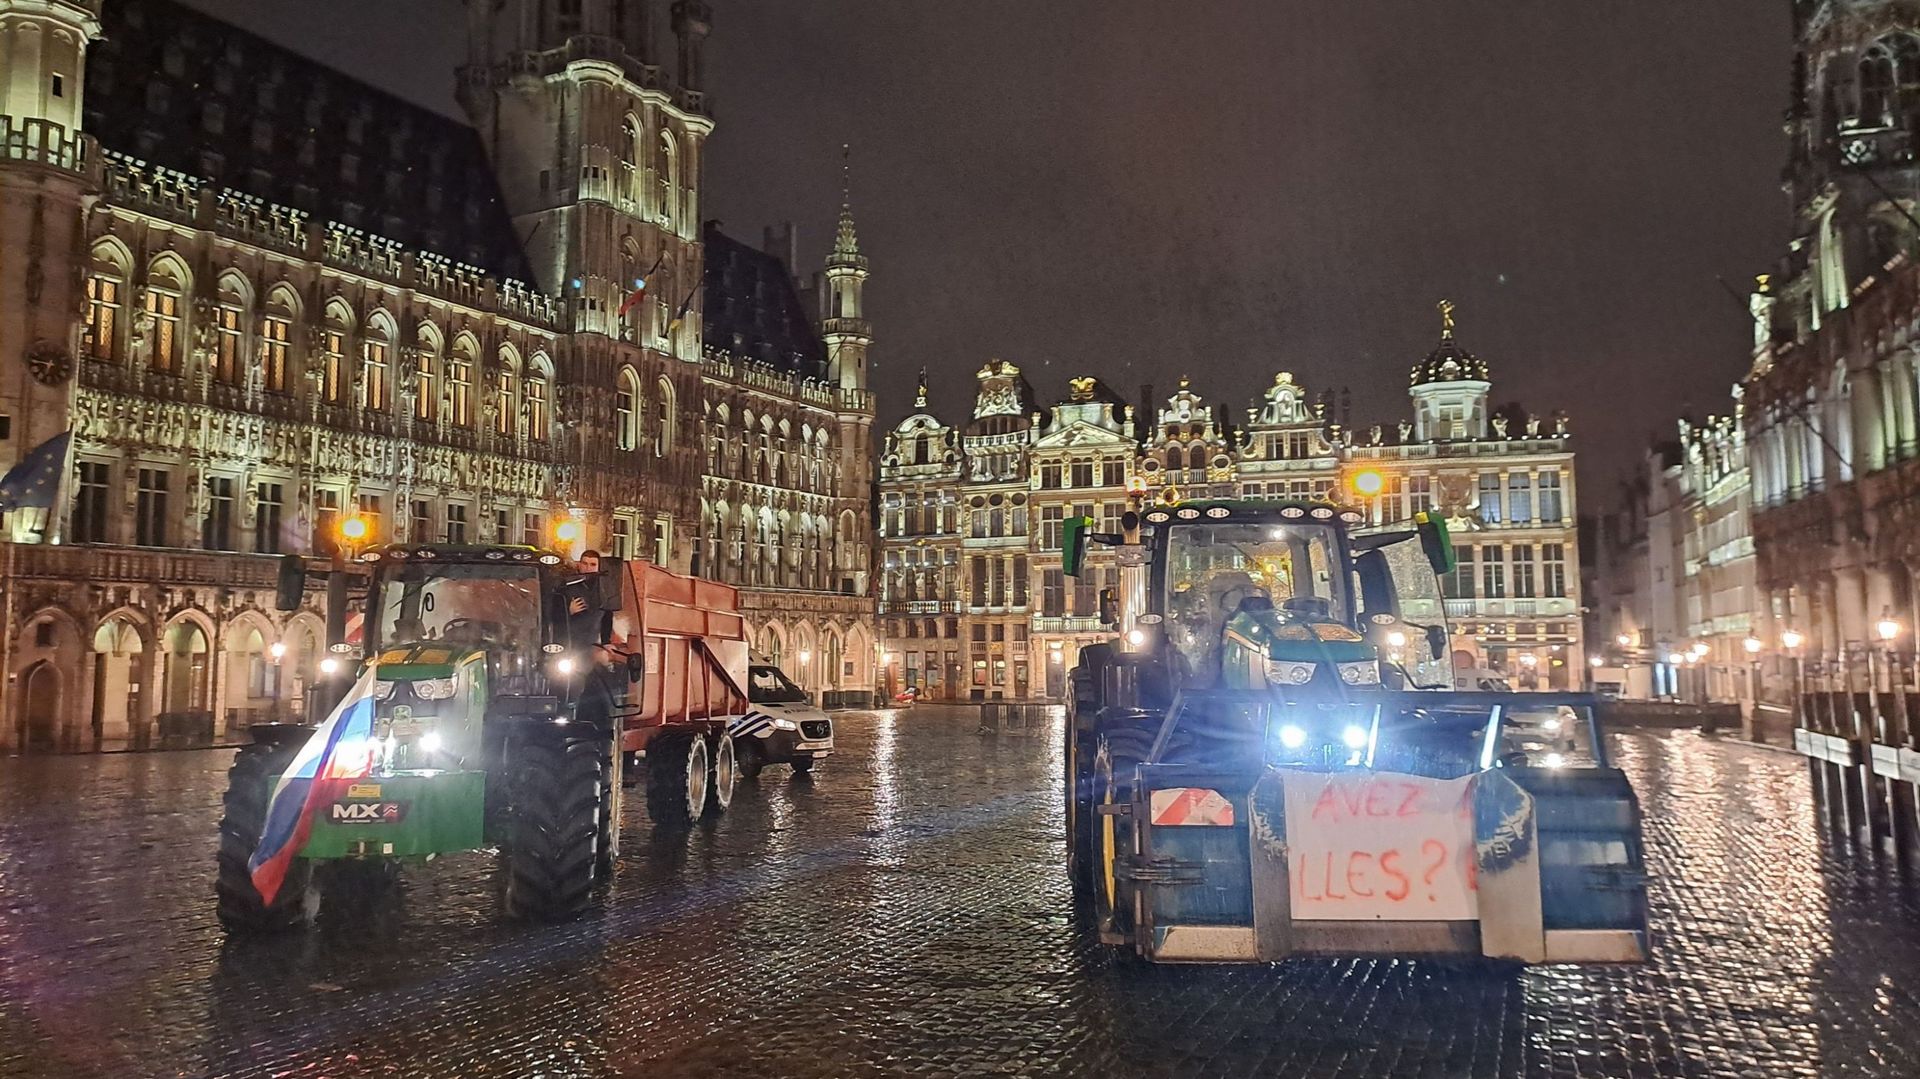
1364 845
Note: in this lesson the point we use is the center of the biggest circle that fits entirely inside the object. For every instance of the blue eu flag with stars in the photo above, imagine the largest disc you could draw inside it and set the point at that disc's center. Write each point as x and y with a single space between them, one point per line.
35 481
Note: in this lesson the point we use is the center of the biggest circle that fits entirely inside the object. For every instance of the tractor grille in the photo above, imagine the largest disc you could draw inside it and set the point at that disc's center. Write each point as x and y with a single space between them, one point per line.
815 729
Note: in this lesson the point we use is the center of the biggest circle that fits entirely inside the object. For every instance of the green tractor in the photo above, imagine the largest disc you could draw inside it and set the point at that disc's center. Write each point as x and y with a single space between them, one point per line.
509 690
1270 759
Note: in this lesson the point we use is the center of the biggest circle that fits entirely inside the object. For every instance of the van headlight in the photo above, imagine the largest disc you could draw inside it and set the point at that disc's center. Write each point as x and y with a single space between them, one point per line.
782 723
1287 672
433 689
1360 674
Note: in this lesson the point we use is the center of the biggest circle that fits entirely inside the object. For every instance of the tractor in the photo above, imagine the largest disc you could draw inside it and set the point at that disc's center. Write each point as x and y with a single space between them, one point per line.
1269 758
511 692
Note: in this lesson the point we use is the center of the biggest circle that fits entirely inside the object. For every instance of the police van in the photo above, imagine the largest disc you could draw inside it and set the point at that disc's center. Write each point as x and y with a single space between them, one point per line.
781 726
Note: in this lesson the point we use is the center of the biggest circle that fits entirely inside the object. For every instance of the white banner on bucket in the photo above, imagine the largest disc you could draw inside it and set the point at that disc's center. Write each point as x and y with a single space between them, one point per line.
1378 845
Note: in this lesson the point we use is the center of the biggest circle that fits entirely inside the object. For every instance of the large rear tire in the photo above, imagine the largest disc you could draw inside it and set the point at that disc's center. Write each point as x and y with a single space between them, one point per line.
237 902
723 774
1119 753
553 829
677 776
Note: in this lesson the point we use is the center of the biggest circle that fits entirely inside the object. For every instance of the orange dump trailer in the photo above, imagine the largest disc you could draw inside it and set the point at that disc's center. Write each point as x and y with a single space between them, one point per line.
694 643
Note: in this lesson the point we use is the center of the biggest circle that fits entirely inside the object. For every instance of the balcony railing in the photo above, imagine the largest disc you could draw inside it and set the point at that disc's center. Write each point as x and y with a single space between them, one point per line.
43 142
102 564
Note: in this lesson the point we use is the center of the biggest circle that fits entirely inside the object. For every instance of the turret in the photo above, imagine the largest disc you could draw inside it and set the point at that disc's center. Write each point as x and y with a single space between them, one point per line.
843 323
1449 389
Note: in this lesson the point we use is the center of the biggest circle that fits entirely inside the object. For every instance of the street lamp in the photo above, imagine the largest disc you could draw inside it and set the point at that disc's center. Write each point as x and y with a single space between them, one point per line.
1791 640
1623 640
1368 483
355 529
278 650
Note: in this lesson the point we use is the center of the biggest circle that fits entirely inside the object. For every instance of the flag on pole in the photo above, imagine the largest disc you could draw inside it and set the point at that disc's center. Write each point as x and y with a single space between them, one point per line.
35 481
681 315
640 287
339 752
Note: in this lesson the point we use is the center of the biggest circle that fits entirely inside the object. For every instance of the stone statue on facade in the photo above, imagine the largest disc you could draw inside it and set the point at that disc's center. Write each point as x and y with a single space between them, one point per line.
1499 427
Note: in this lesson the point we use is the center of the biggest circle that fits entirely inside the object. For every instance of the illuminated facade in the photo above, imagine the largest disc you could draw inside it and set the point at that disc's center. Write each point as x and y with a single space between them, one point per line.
265 297
1829 411
970 581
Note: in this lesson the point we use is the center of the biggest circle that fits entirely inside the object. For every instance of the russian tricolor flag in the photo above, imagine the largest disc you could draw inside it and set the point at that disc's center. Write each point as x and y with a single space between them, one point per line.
339 752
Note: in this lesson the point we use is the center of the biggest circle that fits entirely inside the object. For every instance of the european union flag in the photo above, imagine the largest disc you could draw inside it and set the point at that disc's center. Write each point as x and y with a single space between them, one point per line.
34 482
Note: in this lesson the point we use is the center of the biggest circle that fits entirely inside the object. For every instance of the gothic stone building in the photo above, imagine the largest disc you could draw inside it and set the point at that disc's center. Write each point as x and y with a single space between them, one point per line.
973 601
263 296
1832 444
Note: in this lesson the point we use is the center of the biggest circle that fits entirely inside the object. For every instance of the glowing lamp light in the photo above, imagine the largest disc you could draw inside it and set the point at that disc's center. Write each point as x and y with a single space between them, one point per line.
1355 737
431 741
1752 645
1623 640
278 650
1596 661
1675 658
329 665
1529 660
567 531
1396 639
890 658
1292 737
1368 482
1791 639
805 656
354 528
1136 637
1888 629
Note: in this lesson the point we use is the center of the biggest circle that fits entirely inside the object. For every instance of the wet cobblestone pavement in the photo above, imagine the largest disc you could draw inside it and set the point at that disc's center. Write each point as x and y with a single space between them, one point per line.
902 913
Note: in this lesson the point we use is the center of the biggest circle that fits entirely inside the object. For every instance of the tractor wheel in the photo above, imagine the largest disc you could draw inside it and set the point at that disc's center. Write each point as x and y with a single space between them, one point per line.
1118 754
556 804
1077 795
604 843
237 901
723 774
749 758
802 765
676 779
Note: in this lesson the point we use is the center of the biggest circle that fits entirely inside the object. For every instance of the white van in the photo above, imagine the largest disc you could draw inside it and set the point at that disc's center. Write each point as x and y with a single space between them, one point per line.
781 726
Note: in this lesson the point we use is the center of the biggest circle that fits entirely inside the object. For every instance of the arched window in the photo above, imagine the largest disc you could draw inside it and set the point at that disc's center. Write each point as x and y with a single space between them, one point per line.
506 401
1889 80
167 283
664 431
669 180
626 411
630 160
106 282
376 386
460 366
1197 461
276 336
230 328
333 353
539 420
426 402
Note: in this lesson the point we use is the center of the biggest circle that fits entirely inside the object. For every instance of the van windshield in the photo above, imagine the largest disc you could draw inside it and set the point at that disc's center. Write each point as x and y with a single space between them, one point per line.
767 685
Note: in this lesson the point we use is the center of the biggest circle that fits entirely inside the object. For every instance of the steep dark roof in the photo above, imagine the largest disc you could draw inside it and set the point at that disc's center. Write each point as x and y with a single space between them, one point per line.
753 309
1448 362
174 87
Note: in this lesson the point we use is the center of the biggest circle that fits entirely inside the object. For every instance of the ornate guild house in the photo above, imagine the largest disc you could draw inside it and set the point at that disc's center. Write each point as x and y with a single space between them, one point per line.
973 600
264 298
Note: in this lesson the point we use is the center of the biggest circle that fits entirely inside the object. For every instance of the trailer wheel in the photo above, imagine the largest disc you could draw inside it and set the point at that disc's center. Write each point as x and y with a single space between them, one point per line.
237 901
1113 767
723 775
553 828
749 758
676 779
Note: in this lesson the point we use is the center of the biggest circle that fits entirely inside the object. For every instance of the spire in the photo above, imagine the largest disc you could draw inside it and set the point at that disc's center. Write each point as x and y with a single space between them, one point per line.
920 395
845 242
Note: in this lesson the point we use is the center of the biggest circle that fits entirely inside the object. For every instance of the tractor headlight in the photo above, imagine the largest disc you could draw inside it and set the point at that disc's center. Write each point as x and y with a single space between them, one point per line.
563 666
433 689
431 742
1360 674
1292 737
382 690
1355 736
1287 672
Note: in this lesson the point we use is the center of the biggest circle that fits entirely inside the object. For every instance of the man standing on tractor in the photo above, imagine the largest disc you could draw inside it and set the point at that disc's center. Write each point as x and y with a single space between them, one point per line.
589 629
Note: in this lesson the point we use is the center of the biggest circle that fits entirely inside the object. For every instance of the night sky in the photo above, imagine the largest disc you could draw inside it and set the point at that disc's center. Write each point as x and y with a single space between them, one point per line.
1140 189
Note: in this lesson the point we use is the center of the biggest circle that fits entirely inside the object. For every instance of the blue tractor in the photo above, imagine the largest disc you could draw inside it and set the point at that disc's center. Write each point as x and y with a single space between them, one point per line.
1269 758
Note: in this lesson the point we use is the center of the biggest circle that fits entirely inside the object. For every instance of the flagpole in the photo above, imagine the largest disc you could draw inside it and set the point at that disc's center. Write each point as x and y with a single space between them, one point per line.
54 528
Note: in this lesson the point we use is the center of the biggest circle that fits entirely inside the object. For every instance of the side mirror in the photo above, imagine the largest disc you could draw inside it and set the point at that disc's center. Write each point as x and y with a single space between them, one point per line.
1109 608
292 586
1438 643
613 575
